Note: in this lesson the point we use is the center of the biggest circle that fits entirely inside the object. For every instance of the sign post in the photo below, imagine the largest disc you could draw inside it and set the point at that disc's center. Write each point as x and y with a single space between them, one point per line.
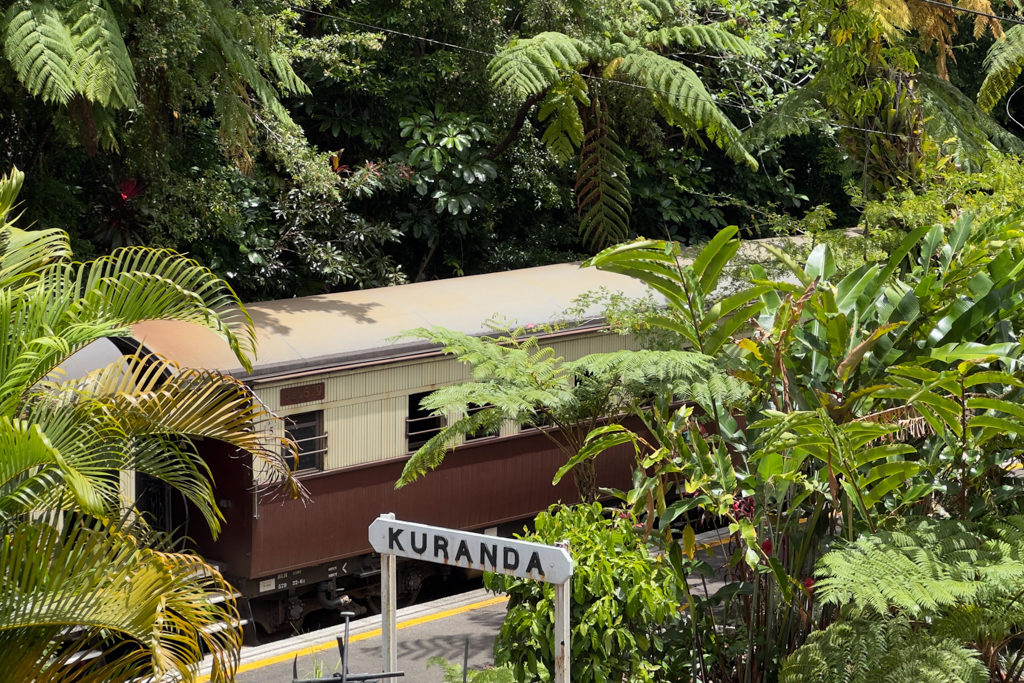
552 564
388 606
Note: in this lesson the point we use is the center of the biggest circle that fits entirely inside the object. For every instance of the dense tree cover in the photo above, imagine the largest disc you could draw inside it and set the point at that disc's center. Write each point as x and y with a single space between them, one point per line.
209 126
865 475
311 146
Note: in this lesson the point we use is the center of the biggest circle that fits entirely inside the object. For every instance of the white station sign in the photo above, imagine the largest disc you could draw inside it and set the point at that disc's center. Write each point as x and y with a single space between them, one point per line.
472 551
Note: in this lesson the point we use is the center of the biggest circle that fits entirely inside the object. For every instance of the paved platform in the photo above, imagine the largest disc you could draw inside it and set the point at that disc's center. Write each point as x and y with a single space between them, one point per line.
438 628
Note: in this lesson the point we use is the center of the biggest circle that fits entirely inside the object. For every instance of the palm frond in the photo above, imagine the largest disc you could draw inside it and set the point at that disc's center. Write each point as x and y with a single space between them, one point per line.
149 610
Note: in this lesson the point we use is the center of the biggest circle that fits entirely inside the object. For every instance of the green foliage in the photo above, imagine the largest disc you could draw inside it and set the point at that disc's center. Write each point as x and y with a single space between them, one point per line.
988 192
518 380
1002 67
952 581
868 650
926 566
602 187
623 604
78 570
60 50
453 673
687 287
618 44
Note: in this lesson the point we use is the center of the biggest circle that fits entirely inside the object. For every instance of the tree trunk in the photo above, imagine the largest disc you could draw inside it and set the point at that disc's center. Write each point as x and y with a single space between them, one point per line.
585 475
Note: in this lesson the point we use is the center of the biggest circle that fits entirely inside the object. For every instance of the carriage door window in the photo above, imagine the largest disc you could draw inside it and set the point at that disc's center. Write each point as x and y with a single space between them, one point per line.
482 432
420 425
307 430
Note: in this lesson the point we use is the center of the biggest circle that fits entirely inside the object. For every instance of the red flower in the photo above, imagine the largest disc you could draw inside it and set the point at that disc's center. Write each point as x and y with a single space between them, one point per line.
129 188
766 546
809 585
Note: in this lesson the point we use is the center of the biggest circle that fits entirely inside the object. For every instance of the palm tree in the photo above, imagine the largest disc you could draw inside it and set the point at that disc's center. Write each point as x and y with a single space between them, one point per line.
566 74
78 570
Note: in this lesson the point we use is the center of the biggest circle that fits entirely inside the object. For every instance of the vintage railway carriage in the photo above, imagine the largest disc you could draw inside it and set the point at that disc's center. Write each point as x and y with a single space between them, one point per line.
349 393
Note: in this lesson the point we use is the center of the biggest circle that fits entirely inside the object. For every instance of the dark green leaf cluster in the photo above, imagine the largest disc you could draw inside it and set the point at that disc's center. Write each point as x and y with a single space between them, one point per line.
623 603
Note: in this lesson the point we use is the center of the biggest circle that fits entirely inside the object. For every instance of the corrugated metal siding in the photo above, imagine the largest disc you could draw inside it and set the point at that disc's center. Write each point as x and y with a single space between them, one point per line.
365 409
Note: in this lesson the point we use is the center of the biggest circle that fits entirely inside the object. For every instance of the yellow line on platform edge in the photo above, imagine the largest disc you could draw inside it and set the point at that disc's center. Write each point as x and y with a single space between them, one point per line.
320 647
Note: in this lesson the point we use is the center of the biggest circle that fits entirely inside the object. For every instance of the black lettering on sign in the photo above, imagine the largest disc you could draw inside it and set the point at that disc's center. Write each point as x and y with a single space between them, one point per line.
394 540
511 558
418 548
441 547
489 555
534 563
463 551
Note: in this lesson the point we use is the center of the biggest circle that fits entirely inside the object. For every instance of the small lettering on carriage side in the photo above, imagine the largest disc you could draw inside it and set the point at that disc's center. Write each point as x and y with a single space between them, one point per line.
306 393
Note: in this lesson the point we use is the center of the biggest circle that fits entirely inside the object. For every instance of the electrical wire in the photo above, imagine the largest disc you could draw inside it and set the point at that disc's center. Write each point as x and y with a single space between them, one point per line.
946 5
718 103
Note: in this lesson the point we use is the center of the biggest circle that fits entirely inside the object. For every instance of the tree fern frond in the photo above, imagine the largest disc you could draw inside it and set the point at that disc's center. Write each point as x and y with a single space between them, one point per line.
40 48
564 132
877 650
660 10
1003 65
645 366
431 454
530 65
288 81
602 188
794 115
714 37
960 126
102 66
683 100
926 568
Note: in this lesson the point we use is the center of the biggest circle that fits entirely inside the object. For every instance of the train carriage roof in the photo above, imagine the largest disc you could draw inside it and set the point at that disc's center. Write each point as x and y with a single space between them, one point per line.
334 330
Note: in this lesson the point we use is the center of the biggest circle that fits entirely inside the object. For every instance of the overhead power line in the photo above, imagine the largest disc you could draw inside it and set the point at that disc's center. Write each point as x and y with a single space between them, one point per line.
720 103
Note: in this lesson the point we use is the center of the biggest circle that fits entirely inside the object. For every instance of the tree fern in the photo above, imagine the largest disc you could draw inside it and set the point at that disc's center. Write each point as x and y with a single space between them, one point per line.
683 100
927 567
616 48
517 379
102 67
39 46
602 187
963 130
880 650
715 37
528 66
1003 65
564 132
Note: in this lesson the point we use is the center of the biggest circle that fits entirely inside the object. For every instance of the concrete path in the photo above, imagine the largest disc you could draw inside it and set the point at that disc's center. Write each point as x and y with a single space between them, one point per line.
438 628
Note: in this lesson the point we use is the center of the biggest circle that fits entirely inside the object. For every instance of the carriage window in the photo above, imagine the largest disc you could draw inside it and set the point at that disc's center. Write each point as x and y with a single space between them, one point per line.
307 430
480 433
540 420
420 425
